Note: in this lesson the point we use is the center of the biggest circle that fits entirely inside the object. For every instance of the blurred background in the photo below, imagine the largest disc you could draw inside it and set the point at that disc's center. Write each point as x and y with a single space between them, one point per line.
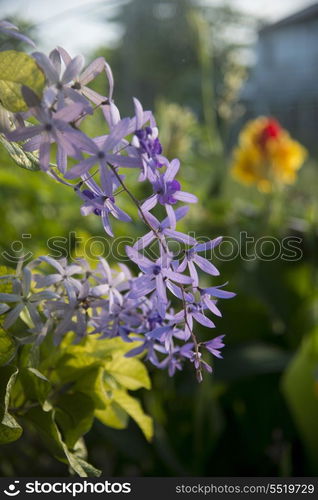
206 68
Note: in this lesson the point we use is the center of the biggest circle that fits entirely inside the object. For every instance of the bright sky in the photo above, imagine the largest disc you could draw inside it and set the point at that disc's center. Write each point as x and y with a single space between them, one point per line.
79 25
271 9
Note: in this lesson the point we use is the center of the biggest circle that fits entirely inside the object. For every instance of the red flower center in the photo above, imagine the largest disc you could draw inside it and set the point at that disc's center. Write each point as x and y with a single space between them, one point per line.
271 130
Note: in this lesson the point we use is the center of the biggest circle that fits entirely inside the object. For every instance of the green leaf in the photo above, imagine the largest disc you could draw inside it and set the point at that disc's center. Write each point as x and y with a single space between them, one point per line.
88 469
7 344
129 372
135 411
17 69
71 366
7 347
113 416
80 454
8 376
22 158
74 416
5 281
10 430
98 369
299 386
92 384
46 427
102 349
35 385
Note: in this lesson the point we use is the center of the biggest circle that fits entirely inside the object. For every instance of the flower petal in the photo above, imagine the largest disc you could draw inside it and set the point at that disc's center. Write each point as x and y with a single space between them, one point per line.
106 224
161 289
150 203
171 216
73 69
24 133
46 64
81 168
176 235
216 291
139 113
116 135
179 278
185 197
172 170
205 265
193 273
211 305
13 315
144 241
138 258
9 297
203 320
209 245
92 70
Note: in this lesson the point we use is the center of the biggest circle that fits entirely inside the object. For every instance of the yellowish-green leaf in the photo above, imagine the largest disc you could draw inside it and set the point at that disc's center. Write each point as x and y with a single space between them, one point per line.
10 430
7 347
36 386
92 383
5 281
22 158
74 415
72 366
113 416
129 372
135 411
99 348
46 427
17 69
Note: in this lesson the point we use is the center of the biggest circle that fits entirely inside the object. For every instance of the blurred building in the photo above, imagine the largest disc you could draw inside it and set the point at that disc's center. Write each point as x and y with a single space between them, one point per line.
284 81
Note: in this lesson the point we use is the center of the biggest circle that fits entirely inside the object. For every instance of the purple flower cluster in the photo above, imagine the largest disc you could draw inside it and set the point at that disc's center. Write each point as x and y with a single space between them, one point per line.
105 301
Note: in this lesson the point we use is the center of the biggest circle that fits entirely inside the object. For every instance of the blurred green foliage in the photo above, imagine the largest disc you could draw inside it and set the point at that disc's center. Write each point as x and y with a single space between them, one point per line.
256 415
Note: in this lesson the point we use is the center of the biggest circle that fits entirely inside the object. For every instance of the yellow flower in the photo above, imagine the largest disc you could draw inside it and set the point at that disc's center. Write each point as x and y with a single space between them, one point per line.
266 155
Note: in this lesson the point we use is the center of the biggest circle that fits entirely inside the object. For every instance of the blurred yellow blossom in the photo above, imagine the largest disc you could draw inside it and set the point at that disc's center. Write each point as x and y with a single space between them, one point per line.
266 155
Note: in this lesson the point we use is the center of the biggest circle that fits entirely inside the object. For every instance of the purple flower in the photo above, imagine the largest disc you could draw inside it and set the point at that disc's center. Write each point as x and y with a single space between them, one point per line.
60 82
146 140
102 154
214 346
53 127
166 334
23 298
147 144
215 292
80 80
193 311
163 229
112 117
118 318
74 315
167 192
191 258
99 200
64 276
102 301
69 317
112 283
148 346
157 275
